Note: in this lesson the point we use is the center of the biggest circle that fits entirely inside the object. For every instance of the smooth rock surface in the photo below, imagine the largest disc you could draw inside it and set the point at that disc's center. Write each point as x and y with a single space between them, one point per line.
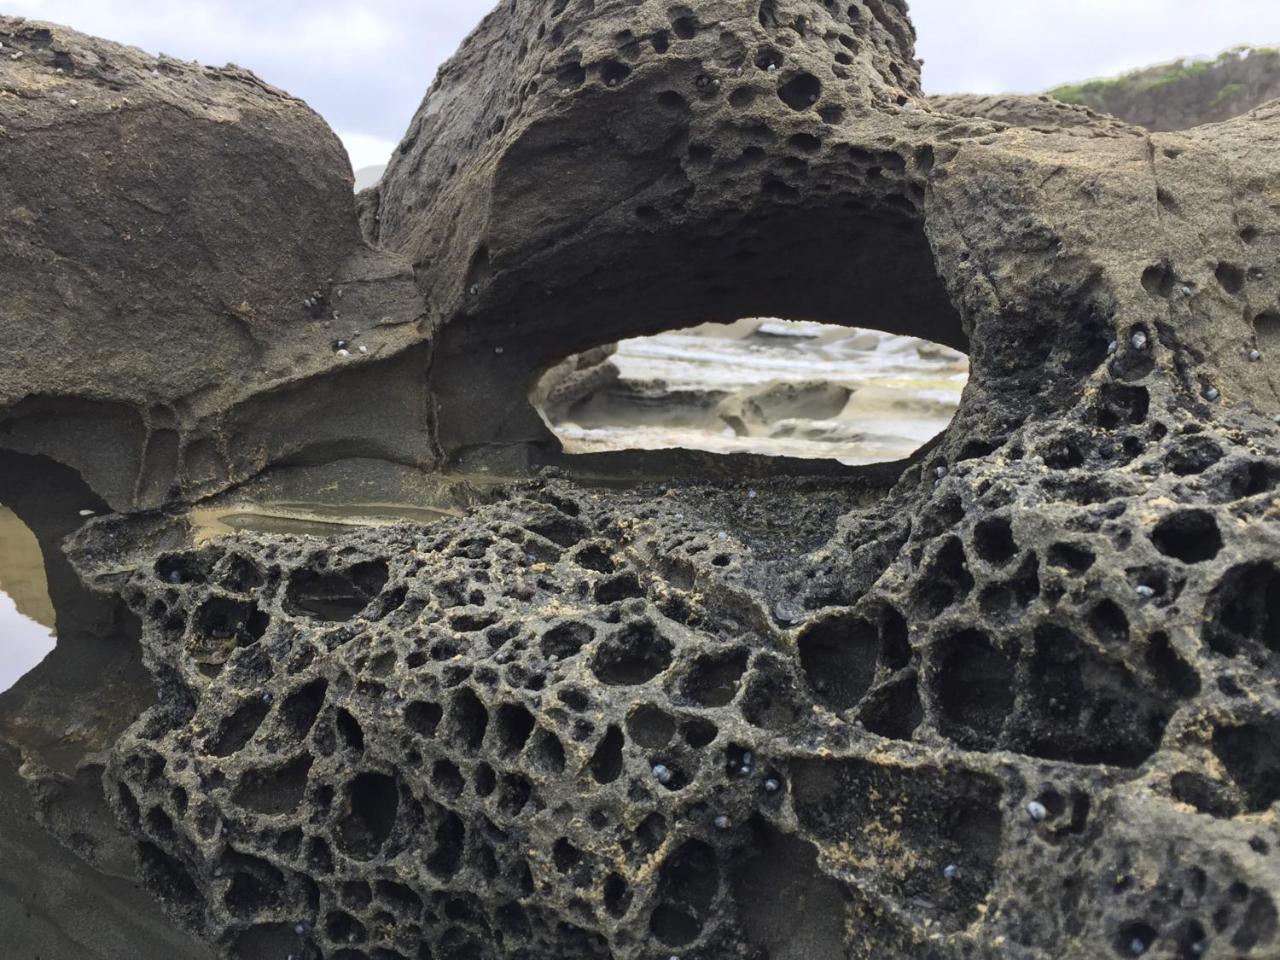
180 251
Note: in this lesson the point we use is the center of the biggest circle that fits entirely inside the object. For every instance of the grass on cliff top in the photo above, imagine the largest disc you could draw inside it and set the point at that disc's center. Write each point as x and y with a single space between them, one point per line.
1093 92
1226 93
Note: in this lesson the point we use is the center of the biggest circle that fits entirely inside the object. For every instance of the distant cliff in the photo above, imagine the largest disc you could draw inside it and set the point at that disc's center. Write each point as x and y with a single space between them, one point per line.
1184 93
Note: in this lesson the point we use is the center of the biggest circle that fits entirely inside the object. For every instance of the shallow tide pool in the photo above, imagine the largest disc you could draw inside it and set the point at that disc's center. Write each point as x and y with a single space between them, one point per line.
27 616
26 612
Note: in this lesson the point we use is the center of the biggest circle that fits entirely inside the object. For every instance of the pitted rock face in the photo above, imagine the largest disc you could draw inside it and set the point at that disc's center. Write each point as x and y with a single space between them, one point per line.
1041 112
1021 707
545 60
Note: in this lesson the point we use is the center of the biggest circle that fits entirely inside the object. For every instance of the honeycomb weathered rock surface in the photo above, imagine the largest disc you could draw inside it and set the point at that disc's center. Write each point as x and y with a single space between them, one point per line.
686 722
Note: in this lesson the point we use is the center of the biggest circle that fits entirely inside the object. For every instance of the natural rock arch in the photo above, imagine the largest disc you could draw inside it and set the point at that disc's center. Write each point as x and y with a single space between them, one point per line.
714 177
855 268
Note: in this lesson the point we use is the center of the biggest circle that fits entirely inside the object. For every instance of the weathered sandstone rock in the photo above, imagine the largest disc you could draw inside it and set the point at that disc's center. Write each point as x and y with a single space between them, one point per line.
1042 113
1018 700
180 253
716 159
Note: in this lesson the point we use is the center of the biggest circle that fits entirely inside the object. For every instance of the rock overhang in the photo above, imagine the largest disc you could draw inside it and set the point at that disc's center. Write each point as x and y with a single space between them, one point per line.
179 241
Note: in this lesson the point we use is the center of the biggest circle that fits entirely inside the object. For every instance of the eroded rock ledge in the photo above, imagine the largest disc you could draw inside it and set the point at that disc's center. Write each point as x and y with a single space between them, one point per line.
180 254
1014 699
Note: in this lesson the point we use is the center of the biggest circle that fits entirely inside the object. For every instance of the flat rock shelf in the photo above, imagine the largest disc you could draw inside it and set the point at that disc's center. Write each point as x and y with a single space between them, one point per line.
769 387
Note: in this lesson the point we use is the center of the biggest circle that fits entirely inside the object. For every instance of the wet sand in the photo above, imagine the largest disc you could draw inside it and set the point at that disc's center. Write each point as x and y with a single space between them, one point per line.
304 519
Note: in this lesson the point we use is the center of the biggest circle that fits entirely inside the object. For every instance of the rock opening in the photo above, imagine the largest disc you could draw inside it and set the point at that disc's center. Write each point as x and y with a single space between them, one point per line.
766 387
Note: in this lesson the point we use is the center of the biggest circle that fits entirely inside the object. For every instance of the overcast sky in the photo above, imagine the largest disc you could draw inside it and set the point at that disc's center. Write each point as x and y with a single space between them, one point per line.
365 65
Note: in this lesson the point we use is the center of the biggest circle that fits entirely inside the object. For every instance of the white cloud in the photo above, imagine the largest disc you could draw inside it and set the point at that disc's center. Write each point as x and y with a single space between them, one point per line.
367 151
365 65
1031 45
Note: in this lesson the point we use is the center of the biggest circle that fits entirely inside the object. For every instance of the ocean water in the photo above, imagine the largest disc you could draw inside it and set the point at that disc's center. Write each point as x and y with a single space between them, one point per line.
675 389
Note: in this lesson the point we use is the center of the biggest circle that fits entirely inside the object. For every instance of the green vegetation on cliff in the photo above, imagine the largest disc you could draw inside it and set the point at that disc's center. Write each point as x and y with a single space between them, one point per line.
1227 92
1091 92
